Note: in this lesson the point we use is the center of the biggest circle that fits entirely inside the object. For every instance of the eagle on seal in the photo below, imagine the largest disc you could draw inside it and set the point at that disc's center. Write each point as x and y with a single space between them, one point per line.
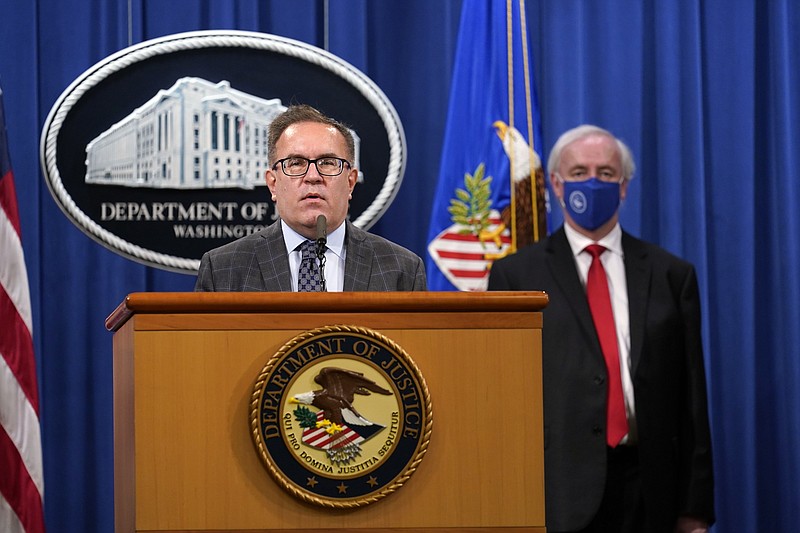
339 387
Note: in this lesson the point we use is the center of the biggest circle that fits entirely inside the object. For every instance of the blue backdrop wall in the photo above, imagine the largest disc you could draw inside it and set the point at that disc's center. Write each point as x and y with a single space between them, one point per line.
704 91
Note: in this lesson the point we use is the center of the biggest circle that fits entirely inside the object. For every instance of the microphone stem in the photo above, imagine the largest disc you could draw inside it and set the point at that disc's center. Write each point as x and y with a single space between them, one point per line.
322 240
321 257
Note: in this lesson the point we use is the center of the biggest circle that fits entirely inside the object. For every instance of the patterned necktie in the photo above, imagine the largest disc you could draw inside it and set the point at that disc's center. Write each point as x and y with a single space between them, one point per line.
603 317
309 279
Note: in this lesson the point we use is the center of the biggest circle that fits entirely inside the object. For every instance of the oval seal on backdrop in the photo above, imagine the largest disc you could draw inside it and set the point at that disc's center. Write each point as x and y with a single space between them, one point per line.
340 416
158 152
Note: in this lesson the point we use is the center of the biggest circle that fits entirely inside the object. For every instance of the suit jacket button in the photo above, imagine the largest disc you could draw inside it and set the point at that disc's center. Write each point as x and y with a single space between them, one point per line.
599 380
597 430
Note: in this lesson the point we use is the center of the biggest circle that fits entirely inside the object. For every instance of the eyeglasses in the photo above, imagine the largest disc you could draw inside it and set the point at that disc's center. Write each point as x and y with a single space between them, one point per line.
298 166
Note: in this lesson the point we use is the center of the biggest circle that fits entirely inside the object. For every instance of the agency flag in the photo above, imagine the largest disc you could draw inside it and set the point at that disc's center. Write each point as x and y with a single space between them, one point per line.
482 209
21 474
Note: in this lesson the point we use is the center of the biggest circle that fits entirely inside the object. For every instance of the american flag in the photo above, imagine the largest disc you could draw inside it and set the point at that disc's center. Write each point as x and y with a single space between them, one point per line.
21 472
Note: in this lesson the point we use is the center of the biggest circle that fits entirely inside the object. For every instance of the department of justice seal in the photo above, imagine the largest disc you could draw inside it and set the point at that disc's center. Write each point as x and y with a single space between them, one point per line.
340 416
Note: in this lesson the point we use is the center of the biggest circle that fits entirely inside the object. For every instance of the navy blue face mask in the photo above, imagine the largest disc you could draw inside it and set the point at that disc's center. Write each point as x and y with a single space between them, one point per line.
591 203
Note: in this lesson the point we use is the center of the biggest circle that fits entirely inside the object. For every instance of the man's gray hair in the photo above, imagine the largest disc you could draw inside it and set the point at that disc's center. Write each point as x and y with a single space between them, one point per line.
588 130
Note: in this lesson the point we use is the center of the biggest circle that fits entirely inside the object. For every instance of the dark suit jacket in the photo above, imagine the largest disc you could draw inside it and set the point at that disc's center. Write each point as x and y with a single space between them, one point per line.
259 262
668 380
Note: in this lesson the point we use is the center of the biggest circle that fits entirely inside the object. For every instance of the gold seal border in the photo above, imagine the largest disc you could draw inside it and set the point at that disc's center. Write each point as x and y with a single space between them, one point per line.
284 481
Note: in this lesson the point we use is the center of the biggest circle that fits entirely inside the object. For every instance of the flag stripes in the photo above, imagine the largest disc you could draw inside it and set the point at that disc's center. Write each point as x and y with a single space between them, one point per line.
320 438
21 472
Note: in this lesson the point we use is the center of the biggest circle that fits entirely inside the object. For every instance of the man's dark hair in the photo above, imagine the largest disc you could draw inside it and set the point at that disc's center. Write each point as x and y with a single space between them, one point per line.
295 114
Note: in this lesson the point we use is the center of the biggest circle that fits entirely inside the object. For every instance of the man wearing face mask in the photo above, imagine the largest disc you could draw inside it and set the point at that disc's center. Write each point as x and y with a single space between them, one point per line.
627 440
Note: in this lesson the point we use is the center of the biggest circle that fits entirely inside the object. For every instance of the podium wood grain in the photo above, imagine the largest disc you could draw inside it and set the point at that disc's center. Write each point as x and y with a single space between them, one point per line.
184 370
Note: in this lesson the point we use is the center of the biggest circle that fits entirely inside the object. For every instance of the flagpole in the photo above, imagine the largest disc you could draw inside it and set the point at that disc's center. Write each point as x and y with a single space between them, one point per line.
510 62
529 116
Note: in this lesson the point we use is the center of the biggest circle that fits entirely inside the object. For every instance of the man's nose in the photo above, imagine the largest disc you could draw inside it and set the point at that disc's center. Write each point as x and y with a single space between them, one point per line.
312 174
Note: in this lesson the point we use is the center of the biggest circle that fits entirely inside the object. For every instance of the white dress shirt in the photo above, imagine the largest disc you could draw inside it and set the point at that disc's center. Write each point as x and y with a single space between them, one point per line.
334 256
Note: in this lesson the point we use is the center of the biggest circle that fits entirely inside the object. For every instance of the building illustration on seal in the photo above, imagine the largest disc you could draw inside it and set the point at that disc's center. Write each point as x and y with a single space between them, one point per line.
194 135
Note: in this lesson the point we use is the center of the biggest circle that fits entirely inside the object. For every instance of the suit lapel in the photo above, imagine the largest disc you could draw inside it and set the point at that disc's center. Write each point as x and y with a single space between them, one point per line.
565 273
358 262
638 272
273 260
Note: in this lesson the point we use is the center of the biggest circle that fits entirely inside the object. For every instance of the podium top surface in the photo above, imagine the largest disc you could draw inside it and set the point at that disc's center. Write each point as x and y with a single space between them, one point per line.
294 302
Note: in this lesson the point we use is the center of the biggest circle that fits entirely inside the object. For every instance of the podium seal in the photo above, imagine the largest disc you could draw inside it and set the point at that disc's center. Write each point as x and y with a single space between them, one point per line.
340 416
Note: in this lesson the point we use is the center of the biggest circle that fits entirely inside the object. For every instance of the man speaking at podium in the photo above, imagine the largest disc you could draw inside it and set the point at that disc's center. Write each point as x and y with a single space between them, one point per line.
313 247
627 442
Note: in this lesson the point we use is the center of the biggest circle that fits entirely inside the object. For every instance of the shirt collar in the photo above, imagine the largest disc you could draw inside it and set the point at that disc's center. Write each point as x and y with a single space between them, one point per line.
578 241
335 239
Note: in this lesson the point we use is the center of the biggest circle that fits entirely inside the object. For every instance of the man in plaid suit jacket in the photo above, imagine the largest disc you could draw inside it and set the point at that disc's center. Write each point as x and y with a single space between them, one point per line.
311 174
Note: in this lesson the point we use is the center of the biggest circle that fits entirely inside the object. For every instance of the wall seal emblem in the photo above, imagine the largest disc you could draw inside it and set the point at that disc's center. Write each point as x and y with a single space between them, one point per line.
159 151
340 416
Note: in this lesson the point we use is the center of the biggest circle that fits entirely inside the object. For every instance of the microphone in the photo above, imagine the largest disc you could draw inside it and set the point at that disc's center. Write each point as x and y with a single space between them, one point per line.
322 231
322 241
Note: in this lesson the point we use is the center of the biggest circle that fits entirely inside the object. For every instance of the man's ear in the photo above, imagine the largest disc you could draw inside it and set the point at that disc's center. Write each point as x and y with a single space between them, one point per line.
352 178
271 178
557 185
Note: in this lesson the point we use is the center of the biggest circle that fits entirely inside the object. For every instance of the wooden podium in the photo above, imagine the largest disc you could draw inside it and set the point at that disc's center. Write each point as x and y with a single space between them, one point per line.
184 369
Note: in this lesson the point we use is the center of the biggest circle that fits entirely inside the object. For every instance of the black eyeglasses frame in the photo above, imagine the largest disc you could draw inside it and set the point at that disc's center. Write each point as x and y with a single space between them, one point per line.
282 162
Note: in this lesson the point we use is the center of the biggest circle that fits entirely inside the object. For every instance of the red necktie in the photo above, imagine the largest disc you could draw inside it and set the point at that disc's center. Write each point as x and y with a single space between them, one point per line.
603 317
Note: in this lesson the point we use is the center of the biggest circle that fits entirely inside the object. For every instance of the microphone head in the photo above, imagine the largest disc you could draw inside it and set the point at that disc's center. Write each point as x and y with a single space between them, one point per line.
322 229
